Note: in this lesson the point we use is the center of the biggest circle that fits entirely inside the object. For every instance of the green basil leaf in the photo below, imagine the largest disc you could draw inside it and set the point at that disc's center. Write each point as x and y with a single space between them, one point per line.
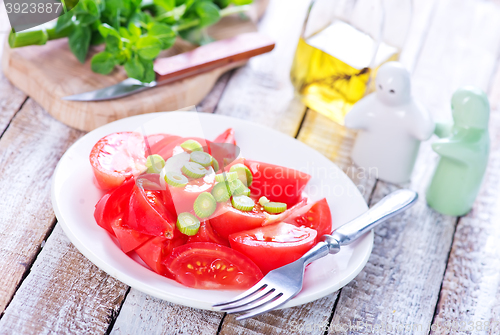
113 44
92 8
105 30
79 41
208 13
86 19
149 72
124 33
168 5
134 68
103 63
164 33
135 32
148 47
96 38
64 21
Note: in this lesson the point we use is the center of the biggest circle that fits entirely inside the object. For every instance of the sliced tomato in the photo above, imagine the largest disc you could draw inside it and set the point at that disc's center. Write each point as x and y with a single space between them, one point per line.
207 234
273 246
156 142
112 205
116 157
228 220
226 137
316 216
147 212
128 238
277 183
157 249
207 265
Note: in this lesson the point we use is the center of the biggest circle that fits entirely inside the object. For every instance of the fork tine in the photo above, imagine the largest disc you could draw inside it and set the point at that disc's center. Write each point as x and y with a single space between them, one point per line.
262 284
250 299
267 307
259 303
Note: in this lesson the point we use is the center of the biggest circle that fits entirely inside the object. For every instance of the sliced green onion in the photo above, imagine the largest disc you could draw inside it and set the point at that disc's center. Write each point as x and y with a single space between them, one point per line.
175 179
204 205
155 163
244 173
275 207
201 158
188 224
229 176
236 187
191 145
244 191
194 170
215 164
243 203
221 192
263 201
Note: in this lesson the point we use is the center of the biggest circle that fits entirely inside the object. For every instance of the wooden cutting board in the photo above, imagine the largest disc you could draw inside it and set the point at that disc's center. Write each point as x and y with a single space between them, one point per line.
49 72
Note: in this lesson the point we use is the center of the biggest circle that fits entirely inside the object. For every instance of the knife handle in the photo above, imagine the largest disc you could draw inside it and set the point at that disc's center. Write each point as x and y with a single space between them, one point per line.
211 56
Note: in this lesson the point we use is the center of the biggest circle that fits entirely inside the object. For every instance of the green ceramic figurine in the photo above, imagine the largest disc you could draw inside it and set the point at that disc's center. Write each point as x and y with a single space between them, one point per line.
464 154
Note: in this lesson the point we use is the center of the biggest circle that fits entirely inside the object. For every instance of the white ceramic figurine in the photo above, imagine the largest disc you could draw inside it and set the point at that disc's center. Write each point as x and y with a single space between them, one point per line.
391 126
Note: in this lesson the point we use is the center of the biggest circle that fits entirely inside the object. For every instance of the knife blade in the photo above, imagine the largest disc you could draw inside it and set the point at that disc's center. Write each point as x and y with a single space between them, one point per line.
205 58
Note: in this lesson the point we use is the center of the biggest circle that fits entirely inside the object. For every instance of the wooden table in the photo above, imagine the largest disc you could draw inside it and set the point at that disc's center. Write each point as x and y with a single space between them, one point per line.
425 268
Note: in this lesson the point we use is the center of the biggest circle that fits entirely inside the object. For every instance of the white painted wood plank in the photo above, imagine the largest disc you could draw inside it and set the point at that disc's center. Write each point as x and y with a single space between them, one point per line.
64 293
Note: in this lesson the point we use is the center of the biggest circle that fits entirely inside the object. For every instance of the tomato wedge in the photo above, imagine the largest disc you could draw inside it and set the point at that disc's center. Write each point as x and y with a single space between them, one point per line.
112 205
277 183
228 220
155 142
273 246
128 238
316 216
157 249
207 234
116 157
147 212
226 137
207 265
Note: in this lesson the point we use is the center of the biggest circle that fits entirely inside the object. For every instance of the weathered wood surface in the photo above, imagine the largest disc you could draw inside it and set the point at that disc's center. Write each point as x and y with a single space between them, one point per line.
29 152
11 98
64 293
144 314
311 318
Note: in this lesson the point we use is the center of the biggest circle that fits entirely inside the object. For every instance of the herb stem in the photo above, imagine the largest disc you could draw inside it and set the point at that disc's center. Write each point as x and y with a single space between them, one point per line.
36 37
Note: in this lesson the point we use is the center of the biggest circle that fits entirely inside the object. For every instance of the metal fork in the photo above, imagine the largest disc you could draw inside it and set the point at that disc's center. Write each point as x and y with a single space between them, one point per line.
282 284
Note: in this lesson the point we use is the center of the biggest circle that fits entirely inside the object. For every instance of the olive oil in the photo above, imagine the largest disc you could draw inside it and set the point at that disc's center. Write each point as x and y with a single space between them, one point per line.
333 68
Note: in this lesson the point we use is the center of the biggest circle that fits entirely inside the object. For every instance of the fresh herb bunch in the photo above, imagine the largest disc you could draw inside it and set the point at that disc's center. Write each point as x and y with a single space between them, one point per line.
134 31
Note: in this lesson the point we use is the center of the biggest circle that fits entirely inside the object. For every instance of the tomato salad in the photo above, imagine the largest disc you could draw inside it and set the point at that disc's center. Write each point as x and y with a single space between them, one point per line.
196 212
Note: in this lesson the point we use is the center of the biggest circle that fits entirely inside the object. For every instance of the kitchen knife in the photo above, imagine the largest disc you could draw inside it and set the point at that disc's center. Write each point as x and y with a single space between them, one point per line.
202 59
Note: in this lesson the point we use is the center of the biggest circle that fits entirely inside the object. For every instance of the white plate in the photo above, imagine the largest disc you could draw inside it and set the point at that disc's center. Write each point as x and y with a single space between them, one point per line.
74 196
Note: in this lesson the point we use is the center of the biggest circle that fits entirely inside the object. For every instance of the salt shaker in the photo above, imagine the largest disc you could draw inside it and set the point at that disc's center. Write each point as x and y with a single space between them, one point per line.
391 125
463 154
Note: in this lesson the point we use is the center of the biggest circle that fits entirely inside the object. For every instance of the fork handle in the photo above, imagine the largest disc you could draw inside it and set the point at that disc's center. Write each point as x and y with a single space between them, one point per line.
391 205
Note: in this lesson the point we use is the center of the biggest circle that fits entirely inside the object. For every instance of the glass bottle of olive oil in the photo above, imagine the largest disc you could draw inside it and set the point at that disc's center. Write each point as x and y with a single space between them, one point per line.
334 66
